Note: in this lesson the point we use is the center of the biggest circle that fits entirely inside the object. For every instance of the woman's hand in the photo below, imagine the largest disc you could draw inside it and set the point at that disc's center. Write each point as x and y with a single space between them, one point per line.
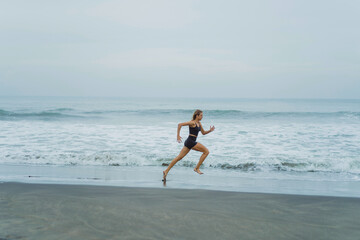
212 128
179 139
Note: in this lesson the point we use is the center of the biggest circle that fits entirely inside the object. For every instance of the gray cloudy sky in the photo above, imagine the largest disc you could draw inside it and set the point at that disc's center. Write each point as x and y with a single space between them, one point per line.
181 48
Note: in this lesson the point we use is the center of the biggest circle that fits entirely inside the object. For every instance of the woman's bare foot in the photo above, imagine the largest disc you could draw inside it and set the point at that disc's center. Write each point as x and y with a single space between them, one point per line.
198 171
164 176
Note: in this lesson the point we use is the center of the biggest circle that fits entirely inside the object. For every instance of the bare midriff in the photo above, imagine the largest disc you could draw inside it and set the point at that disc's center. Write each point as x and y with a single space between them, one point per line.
192 135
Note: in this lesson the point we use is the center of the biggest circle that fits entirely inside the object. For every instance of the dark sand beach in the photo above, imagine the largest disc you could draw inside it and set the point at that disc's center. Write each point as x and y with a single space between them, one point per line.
50 211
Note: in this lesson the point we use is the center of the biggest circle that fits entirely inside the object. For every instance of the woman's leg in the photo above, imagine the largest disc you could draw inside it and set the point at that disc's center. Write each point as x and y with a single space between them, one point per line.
182 154
201 148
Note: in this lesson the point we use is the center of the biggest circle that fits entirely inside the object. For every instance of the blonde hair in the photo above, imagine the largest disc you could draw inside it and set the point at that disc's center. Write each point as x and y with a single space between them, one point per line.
196 113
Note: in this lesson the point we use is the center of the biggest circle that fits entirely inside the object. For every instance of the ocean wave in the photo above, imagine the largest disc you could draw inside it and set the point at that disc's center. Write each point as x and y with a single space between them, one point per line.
62 110
253 166
248 114
49 114
221 114
286 167
224 113
142 111
229 113
132 159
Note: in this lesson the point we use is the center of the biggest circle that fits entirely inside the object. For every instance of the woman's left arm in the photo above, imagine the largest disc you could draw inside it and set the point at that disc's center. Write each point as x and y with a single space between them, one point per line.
206 132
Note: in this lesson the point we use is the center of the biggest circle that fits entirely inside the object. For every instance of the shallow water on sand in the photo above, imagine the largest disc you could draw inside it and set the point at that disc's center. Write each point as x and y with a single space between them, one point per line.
182 178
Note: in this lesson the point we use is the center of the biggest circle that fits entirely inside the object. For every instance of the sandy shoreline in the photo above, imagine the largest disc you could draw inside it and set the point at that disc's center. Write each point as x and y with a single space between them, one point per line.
50 211
182 178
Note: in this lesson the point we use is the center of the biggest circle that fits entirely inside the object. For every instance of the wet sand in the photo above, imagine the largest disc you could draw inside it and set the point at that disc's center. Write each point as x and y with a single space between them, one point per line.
50 211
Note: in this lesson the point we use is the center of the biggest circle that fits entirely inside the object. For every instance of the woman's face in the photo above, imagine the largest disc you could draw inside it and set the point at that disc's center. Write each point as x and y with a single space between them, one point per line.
200 116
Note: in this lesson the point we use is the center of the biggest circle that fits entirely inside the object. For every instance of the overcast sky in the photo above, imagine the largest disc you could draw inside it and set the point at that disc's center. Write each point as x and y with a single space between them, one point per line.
180 48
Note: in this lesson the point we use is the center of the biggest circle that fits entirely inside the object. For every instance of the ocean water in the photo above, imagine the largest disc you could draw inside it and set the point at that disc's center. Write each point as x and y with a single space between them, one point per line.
280 138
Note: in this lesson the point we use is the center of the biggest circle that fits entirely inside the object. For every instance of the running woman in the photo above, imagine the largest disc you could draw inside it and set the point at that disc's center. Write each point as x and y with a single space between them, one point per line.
190 143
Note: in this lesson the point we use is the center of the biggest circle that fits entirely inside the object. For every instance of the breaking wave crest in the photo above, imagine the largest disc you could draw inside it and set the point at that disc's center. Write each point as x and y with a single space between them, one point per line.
133 159
63 113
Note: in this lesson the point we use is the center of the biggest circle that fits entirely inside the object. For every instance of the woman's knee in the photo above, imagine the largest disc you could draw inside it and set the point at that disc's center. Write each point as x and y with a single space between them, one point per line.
207 152
180 156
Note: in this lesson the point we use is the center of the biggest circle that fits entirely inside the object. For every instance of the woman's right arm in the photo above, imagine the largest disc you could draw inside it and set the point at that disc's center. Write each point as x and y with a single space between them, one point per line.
179 128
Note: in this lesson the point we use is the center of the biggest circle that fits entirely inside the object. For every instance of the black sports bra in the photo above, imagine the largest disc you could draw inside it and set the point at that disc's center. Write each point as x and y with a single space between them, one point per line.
194 130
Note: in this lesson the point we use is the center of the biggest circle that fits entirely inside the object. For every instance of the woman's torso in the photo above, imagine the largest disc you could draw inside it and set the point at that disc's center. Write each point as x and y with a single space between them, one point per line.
194 130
